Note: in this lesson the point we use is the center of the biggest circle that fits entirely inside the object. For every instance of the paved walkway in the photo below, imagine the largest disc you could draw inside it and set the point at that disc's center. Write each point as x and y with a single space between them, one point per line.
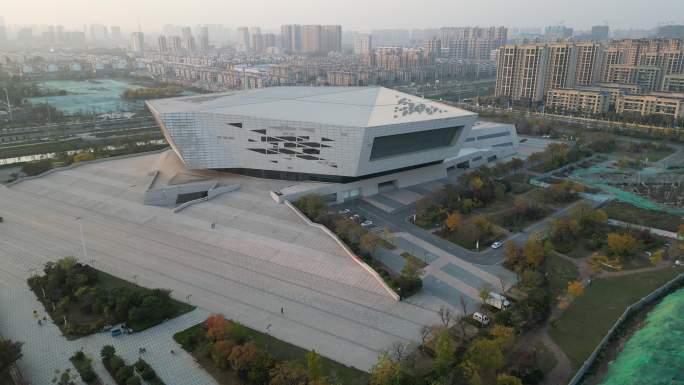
46 350
259 257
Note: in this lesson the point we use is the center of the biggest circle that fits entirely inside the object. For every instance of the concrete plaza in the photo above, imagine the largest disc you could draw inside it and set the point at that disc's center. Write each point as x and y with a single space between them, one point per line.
259 257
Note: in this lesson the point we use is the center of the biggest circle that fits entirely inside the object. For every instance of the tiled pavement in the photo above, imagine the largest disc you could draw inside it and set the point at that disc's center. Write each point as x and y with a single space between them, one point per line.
259 258
45 350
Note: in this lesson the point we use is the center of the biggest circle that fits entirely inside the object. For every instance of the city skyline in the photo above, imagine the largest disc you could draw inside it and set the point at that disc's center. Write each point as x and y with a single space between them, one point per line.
379 14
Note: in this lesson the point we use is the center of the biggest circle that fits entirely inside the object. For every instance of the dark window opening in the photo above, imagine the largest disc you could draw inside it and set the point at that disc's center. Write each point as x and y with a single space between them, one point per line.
288 138
400 144
238 125
491 158
286 151
260 131
310 151
182 198
307 157
286 144
251 140
326 140
311 144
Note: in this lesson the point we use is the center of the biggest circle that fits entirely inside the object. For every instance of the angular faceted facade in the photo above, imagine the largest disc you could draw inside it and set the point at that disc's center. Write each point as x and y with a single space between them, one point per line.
318 133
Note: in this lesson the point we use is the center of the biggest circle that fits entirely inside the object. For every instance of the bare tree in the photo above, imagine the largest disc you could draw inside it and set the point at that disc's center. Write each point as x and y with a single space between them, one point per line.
397 351
464 317
446 315
502 283
425 333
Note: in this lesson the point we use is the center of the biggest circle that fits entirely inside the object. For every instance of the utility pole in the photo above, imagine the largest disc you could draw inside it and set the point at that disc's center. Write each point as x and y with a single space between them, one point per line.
9 106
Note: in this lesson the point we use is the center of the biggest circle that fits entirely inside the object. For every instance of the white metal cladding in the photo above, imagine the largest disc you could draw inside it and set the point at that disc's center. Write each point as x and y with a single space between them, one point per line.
216 139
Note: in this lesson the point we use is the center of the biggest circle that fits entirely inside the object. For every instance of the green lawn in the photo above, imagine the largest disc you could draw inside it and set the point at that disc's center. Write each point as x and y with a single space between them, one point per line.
559 272
283 351
625 212
582 326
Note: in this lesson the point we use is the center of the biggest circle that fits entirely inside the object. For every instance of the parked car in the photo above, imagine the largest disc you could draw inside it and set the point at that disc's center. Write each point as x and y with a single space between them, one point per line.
481 318
496 245
344 211
367 223
356 217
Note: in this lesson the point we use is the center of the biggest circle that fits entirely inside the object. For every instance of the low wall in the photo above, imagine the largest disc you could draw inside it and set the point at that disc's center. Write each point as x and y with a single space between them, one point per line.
74 165
612 333
346 248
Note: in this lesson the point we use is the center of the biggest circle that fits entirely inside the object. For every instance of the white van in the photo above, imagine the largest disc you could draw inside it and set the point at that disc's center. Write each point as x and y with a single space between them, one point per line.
481 318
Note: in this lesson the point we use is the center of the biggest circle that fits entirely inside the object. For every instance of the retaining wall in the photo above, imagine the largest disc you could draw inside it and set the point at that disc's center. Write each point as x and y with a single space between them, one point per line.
346 248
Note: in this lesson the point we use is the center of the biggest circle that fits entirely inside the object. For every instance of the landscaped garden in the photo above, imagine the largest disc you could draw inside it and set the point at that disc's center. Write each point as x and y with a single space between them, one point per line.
482 208
584 234
363 243
82 300
235 354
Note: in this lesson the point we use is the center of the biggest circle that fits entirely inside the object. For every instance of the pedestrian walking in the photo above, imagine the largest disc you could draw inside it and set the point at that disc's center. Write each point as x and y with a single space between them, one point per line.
282 310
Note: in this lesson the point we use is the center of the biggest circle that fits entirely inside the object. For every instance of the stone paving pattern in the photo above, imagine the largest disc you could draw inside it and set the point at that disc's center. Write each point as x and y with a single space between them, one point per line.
260 257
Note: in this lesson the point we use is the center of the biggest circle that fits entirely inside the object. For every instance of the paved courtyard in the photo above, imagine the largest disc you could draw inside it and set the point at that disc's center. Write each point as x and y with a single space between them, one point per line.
259 257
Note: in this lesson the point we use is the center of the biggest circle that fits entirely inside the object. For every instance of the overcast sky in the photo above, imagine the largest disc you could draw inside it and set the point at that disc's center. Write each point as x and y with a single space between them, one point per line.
352 14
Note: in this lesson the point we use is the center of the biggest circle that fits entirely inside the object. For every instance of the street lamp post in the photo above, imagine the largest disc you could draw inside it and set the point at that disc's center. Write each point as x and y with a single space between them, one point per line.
83 244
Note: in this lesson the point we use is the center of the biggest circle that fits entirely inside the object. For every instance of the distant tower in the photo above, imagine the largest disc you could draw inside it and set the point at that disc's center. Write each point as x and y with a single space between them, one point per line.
137 42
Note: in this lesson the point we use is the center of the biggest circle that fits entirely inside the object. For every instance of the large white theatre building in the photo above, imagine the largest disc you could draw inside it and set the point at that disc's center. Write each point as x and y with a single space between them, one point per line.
341 142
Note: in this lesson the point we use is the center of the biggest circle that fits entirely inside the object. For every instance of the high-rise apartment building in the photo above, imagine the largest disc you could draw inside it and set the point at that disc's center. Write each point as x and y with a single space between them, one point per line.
243 39
311 38
521 72
557 32
137 42
472 43
257 42
176 43
269 40
600 32
432 49
204 39
98 33
331 38
115 33
363 44
162 44
291 38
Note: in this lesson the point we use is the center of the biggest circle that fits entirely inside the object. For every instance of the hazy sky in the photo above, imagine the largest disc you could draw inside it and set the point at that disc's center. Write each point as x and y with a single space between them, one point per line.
352 14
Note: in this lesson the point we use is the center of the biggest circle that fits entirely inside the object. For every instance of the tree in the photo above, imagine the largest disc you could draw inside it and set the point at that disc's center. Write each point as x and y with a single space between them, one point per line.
242 357
313 206
10 352
217 327
621 244
220 352
656 257
387 372
469 372
446 315
313 365
444 351
483 224
680 235
464 317
575 288
505 379
512 254
486 354
453 221
484 292
288 373
503 335
107 352
369 242
534 253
